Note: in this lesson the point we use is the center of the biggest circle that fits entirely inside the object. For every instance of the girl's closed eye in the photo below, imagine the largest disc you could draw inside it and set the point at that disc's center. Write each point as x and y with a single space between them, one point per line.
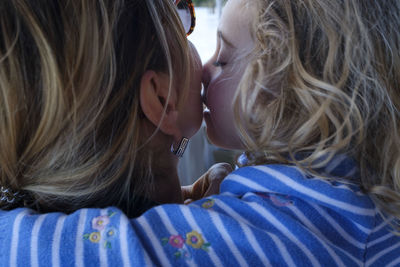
219 63
220 56
224 48
223 57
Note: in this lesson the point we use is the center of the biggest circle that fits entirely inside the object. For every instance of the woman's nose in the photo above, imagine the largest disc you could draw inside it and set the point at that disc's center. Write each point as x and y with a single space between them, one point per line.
195 55
206 75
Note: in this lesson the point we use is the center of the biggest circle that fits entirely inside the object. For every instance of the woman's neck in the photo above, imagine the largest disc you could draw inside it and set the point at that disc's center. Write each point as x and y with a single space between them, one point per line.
167 188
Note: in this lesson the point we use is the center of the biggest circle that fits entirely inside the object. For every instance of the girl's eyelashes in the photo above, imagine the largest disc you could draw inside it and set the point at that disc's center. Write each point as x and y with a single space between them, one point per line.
218 63
220 54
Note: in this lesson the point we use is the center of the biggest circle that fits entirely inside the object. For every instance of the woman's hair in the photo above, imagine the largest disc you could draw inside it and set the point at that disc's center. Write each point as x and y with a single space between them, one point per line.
324 79
70 118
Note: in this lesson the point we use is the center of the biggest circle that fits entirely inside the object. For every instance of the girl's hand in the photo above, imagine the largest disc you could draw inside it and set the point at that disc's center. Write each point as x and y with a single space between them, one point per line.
208 184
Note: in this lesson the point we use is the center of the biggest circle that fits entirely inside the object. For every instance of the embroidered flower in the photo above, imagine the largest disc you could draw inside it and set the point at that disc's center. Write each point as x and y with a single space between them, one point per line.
100 222
277 200
102 234
176 241
95 237
194 239
187 255
208 203
183 253
281 201
110 233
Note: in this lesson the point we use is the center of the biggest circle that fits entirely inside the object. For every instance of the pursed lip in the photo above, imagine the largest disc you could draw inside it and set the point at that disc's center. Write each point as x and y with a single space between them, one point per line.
204 95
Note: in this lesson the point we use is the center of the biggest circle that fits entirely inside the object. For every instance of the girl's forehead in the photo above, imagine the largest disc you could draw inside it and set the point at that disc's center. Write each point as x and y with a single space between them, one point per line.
235 23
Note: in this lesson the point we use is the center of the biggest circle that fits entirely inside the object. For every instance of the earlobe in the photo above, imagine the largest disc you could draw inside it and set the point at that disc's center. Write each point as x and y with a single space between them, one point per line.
158 104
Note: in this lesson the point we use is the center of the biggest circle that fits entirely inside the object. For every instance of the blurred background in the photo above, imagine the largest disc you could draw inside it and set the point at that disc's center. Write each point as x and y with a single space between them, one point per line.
204 36
200 153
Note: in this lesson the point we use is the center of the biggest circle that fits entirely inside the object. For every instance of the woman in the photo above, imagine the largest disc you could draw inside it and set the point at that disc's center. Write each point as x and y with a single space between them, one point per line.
94 95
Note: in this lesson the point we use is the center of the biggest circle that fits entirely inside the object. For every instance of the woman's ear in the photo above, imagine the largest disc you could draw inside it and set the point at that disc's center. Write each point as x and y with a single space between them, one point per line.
159 109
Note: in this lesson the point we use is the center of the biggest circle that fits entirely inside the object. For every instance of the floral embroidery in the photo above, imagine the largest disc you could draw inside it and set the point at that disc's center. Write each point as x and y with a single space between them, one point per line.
281 201
110 233
183 253
176 241
187 255
95 237
100 222
193 239
101 233
208 203
277 199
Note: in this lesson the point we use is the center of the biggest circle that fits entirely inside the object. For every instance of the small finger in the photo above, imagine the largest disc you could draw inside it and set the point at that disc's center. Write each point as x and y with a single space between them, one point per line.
188 201
186 191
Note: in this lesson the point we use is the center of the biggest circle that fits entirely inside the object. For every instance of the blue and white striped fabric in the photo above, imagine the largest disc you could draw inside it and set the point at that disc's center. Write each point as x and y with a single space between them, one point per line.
265 215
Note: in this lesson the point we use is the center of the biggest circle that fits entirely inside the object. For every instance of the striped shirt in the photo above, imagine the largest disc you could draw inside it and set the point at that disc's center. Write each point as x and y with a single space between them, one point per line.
265 215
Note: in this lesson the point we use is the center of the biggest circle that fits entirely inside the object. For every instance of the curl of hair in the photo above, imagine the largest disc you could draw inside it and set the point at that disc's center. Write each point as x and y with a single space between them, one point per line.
70 117
325 80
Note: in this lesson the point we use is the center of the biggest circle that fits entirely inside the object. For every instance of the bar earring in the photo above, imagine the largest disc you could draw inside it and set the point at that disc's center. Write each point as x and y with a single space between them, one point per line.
181 148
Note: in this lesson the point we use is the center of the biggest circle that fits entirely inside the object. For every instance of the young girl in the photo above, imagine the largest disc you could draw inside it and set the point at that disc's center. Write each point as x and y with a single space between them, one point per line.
315 103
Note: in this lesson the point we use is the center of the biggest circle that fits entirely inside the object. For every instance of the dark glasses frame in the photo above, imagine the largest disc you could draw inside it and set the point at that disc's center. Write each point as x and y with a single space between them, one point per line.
190 6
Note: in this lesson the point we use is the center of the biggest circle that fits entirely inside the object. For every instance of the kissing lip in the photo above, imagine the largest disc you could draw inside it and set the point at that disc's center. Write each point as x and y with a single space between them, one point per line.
204 95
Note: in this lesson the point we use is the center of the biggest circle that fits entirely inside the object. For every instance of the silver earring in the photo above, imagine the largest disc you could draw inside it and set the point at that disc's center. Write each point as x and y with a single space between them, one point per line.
7 196
181 148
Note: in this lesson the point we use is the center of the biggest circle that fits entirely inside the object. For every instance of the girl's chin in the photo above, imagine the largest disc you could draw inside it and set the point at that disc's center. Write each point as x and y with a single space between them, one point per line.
218 138
213 135
209 126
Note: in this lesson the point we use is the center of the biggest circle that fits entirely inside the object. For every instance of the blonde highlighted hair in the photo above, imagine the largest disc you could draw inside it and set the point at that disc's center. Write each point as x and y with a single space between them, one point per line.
70 119
324 79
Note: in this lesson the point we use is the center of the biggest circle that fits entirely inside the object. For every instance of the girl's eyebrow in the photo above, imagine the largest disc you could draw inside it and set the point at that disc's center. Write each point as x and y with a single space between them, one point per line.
220 35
